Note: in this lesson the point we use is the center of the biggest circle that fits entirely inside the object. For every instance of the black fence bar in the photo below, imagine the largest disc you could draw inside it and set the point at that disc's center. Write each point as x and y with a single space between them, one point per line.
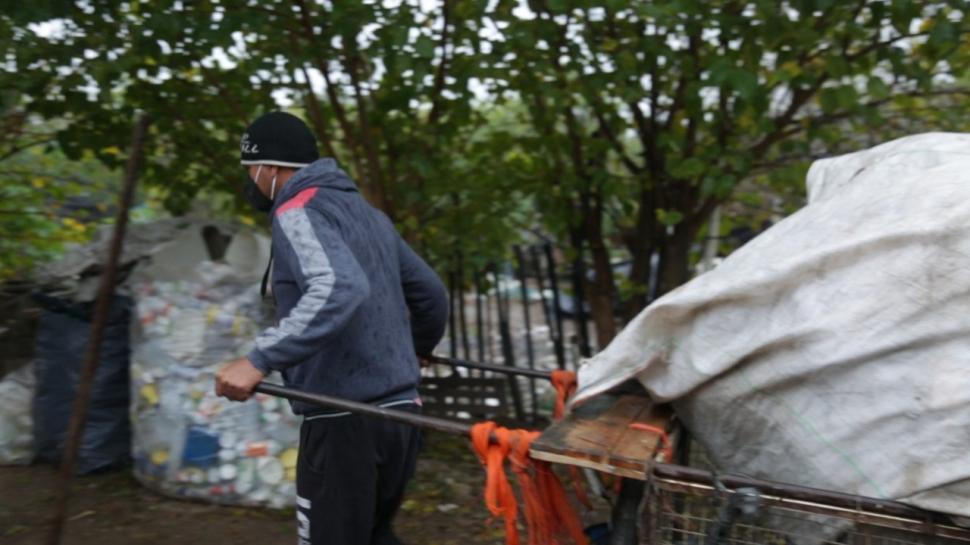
556 308
546 311
479 316
462 321
529 349
452 330
508 353
454 362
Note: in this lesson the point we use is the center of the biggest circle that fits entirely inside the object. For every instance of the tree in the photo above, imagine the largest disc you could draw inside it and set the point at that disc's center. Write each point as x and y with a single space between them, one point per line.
47 200
384 86
645 117
629 124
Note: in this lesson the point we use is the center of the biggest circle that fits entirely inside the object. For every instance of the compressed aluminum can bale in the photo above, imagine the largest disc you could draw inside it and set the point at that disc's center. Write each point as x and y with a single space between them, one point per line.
187 441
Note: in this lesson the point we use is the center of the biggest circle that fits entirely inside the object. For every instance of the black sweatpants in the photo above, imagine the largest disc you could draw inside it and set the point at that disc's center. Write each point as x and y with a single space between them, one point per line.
350 478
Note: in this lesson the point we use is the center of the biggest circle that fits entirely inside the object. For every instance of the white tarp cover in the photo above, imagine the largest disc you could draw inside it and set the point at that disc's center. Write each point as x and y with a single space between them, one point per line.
16 420
833 350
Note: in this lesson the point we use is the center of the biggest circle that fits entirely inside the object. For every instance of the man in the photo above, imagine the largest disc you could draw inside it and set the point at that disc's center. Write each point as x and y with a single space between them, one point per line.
355 306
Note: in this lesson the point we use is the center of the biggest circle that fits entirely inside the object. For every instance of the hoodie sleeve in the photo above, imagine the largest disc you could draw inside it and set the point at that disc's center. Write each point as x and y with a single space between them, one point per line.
333 286
426 298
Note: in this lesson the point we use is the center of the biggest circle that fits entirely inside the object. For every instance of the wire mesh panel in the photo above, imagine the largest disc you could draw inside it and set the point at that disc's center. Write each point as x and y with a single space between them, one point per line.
682 513
455 396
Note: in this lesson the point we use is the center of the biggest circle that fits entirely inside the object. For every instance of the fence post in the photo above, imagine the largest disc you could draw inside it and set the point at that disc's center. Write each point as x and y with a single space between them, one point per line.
557 310
530 351
507 350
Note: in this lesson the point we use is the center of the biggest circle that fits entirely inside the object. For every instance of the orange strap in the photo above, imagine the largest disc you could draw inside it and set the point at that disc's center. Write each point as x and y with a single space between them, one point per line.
565 384
668 447
548 514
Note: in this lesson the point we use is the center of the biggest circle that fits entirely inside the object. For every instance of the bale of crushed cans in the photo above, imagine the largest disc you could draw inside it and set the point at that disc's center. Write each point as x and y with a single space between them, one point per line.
188 442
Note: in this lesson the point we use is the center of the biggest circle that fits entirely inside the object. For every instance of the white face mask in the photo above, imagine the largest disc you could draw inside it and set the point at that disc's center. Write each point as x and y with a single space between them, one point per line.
255 195
272 187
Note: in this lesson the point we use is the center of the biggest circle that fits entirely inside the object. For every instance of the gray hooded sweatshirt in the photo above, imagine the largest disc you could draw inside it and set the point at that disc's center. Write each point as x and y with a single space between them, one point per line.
354 303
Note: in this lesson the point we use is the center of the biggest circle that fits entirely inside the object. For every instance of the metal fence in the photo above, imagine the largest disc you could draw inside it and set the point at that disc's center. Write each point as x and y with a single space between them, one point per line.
693 506
690 514
520 313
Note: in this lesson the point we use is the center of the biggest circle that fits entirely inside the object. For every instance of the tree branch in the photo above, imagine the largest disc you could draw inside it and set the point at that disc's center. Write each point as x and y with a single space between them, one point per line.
440 73
316 114
378 181
332 96
799 98
25 146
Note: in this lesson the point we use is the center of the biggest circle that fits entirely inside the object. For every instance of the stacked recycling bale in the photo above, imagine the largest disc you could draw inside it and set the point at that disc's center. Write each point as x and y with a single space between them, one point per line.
187 441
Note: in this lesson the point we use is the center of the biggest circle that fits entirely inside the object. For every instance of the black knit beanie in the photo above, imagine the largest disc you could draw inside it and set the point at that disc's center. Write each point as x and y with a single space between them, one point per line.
278 138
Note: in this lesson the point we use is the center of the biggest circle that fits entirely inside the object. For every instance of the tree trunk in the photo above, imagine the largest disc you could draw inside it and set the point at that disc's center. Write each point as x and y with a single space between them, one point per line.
675 258
601 291
580 291
641 242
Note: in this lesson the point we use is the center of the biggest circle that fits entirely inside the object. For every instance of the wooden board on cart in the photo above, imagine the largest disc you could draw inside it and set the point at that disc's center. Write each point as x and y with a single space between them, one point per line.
603 434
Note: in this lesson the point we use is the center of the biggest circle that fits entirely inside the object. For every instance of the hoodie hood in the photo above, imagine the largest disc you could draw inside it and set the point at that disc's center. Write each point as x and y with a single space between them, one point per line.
320 173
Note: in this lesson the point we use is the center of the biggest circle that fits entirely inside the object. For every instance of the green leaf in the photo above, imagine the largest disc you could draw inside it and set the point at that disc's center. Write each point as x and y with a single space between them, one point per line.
669 217
688 169
877 88
746 83
424 47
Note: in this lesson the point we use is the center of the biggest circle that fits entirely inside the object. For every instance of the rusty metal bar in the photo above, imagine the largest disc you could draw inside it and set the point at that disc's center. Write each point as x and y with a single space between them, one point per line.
330 402
105 291
681 478
455 362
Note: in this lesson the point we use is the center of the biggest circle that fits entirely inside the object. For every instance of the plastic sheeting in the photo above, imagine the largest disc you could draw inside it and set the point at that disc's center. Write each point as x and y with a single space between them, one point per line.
61 343
16 422
188 442
833 350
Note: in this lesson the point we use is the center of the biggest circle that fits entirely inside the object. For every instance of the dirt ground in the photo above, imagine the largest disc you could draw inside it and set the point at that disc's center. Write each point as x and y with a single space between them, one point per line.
443 507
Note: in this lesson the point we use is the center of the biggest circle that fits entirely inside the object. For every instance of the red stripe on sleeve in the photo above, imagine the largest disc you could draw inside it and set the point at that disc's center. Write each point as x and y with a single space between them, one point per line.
299 201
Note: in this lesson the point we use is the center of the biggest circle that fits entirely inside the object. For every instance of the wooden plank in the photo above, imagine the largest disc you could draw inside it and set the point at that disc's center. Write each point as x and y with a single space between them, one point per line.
599 435
637 473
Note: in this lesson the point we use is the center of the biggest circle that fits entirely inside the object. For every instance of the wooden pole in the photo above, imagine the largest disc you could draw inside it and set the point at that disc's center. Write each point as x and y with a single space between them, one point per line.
105 292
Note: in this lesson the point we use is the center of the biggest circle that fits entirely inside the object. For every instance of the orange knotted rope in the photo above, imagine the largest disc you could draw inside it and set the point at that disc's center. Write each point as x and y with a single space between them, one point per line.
548 514
499 497
544 495
565 384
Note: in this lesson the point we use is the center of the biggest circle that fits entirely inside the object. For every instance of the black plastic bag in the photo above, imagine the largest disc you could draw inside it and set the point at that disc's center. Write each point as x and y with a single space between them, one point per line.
61 343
